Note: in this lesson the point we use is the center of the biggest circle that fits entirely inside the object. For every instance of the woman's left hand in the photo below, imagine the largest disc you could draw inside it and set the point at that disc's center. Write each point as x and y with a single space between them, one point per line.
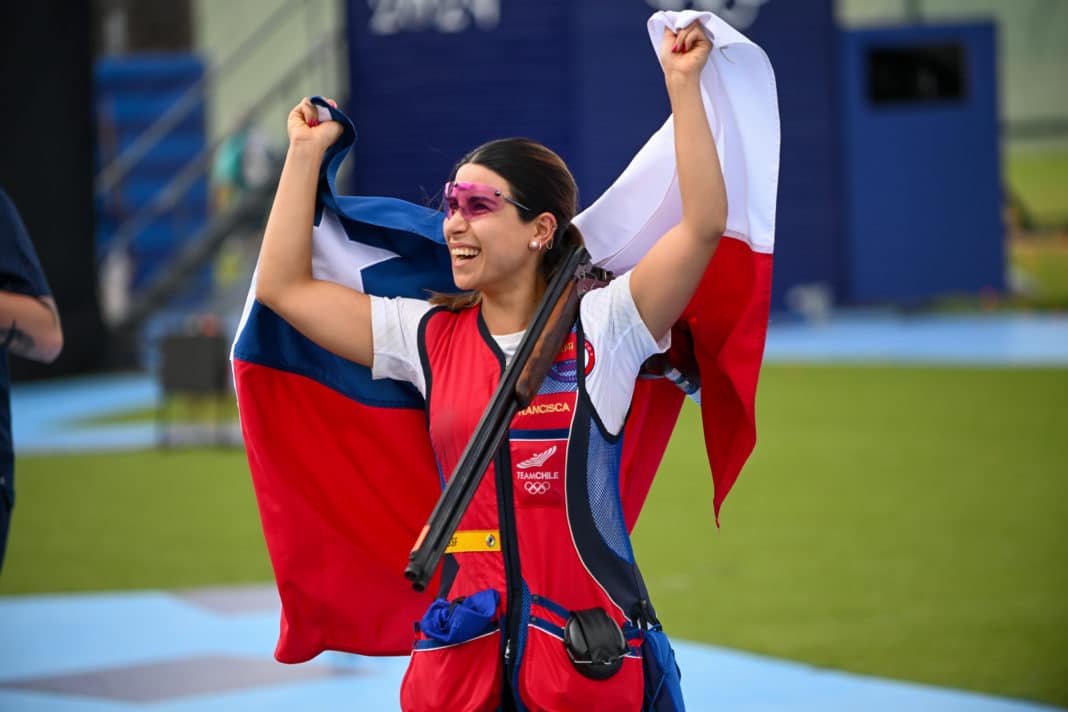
684 54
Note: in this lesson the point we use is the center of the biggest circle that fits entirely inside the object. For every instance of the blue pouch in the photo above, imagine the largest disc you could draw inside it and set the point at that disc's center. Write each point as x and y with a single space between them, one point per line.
461 619
663 679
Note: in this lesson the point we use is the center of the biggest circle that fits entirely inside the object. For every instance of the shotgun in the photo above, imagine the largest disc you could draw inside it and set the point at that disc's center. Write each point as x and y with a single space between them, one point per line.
519 384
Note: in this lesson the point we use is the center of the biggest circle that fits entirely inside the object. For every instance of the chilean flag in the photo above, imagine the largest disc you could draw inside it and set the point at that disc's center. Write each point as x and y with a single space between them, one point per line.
342 466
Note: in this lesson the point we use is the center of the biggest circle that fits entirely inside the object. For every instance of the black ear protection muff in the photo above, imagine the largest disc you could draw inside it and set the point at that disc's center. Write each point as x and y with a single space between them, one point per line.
594 643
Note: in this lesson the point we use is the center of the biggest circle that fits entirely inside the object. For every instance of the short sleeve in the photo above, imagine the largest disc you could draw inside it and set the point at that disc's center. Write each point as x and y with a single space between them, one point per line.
395 331
20 270
621 342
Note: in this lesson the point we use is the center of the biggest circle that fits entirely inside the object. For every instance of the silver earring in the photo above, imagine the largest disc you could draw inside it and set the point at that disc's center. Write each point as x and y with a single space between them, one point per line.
534 245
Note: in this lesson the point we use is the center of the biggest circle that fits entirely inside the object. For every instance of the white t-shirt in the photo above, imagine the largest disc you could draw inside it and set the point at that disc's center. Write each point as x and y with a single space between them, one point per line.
621 342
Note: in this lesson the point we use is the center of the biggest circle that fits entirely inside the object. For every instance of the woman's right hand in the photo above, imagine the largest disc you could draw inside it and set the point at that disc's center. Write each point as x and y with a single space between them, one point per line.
683 55
304 127
332 315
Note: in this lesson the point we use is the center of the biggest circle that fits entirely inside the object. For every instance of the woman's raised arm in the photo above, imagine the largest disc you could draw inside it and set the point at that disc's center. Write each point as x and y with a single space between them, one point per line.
335 317
665 279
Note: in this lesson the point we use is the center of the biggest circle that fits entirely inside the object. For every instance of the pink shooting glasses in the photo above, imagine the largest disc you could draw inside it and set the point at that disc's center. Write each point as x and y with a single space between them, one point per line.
474 200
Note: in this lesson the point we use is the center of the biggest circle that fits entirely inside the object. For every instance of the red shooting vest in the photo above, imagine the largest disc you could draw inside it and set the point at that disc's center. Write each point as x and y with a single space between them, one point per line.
553 541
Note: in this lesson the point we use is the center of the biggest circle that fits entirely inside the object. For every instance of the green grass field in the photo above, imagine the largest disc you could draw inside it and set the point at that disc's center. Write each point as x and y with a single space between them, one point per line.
1039 180
1044 261
910 523
903 522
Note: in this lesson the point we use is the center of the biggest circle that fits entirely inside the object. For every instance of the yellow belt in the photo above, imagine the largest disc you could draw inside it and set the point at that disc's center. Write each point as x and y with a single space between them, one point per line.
474 540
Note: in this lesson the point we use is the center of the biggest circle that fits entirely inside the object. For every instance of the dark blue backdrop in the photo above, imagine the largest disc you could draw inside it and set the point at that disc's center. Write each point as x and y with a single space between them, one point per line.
431 80
555 71
923 209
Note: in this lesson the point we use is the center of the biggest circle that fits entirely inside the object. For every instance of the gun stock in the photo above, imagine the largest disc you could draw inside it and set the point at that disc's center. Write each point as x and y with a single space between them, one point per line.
548 345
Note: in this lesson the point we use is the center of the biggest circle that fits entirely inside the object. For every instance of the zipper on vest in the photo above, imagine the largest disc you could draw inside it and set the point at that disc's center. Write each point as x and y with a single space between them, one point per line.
510 545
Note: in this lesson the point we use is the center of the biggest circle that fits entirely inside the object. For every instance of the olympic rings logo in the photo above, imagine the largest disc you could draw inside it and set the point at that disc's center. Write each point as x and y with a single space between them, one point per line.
537 487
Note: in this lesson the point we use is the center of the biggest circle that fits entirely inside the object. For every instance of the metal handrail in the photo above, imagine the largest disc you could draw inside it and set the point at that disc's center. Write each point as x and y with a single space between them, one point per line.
110 176
169 195
173 276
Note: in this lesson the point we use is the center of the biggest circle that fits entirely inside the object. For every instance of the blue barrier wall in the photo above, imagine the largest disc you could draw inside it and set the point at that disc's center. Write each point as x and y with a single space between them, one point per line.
923 200
801 40
580 80
431 80
131 93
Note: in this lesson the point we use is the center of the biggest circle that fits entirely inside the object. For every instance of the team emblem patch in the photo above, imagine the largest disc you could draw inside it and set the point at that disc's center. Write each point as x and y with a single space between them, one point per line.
538 472
564 369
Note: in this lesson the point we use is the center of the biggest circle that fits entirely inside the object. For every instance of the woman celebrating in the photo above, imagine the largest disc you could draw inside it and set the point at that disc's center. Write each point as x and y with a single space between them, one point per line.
541 561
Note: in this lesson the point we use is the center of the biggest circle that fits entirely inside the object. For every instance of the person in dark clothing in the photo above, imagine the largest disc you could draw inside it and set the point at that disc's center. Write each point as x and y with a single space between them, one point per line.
29 327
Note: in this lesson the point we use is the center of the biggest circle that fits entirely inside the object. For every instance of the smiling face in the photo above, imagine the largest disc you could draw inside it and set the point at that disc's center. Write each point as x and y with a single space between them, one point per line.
488 239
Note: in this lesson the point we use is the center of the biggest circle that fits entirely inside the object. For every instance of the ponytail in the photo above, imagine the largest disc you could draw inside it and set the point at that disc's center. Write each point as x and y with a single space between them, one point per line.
562 244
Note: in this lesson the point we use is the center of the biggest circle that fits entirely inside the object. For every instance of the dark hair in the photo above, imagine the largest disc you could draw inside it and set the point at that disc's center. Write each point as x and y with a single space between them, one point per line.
537 178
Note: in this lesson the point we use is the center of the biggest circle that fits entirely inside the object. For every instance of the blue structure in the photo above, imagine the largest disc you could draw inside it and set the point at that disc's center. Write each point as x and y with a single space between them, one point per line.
920 163
801 41
581 78
882 199
131 92
464 77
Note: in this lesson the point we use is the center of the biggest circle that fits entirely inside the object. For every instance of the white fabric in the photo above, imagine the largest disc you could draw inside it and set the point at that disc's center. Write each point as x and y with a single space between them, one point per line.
620 340
508 344
395 336
335 258
335 254
738 87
